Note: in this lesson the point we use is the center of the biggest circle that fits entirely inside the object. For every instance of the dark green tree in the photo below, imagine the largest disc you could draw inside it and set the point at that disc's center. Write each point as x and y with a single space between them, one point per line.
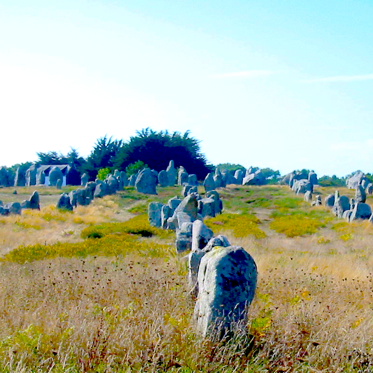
51 157
156 149
102 155
232 167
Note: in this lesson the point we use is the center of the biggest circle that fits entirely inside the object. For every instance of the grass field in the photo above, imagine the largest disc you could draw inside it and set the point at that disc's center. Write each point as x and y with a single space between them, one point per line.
99 290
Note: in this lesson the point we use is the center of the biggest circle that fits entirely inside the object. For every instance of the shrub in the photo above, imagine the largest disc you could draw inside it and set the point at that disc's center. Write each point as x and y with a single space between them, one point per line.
295 225
102 173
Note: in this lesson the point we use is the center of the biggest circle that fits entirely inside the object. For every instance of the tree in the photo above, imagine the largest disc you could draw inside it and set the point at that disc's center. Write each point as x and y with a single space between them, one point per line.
232 167
156 149
51 157
75 160
102 155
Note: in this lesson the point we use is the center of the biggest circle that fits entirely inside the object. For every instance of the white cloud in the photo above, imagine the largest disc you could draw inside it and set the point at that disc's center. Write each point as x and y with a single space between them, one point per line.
341 78
243 74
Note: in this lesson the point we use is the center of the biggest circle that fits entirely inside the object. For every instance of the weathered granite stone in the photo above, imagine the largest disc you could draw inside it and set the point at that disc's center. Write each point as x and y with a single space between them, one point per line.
361 211
226 280
64 202
165 214
20 178
154 214
206 207
317 201
218 179
184 237
31 175
218 202
112 184
347 214
312 178
369 188
352 203
302 186
341 205
192 180
40 176
73 198
59 184
308 196
360 195
239 175
201 235
209 183
216 241
186 211
84 180
228 178
173 203
171 171
101 190
163 178
14 208
132 180
182 176
146 182
90 189
54 175
34 201
329 200
355 180
187 189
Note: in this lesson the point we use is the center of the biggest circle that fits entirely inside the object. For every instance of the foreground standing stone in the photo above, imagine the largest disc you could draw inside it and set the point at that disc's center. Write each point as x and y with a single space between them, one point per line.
226 280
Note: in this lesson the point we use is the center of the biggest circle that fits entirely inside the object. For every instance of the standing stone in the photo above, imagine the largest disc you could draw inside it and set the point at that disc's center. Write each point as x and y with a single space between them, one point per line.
14 208
34 201
361 211
341 205
218 202
84 180
184 237
101 190
163 178
226 280
146 182
20 178
112 183
253 178
40 176
4 177
132 180
154 214
192 180
64 202
54 175
239 175
360 195
218 179
302 186
182 176
355 180
216 241
312 178
59 184
209 183
206 207
186 211
165 214
228 178
31 176
369 188
90 189
317 201
308 196
187 189
173 203
171 171
329 200
201 235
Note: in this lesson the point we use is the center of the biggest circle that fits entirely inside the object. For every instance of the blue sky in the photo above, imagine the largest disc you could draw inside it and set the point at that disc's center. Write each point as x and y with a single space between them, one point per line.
280 84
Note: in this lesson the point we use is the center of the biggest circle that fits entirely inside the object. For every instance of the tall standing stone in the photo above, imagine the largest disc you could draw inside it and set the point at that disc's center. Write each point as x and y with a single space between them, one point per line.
227 280
54 175
163 178
146 182
209 183
20 178
84 180
171 172
31 175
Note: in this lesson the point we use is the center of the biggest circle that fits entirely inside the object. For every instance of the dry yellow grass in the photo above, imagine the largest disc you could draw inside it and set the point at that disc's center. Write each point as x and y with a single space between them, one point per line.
312 311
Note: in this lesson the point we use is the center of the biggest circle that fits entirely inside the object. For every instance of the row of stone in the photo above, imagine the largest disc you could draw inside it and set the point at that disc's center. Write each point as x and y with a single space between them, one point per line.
221 276
15 208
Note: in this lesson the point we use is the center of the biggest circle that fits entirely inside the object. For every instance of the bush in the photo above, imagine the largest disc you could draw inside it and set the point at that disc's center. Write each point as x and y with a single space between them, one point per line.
102 173
295 225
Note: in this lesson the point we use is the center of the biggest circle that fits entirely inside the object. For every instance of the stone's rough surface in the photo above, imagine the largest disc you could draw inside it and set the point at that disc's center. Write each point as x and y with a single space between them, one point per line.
182 176
132 180
218 202
346 215
341 205
54 175
312 178
31 176
165 214
173 203
206 207
194 260
216 241
112 184
192 180
253 177
20 178
146 182
228 178
361 211
308 196
34 201
101 190
40 177
355 180
329 200
154 214
14 208
186 211
184 237
209 183
369 188
171 172
84 180
201 235
188 189
218 179
90 189
163 178
64 202
239 175
360 195
302 186
226 280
